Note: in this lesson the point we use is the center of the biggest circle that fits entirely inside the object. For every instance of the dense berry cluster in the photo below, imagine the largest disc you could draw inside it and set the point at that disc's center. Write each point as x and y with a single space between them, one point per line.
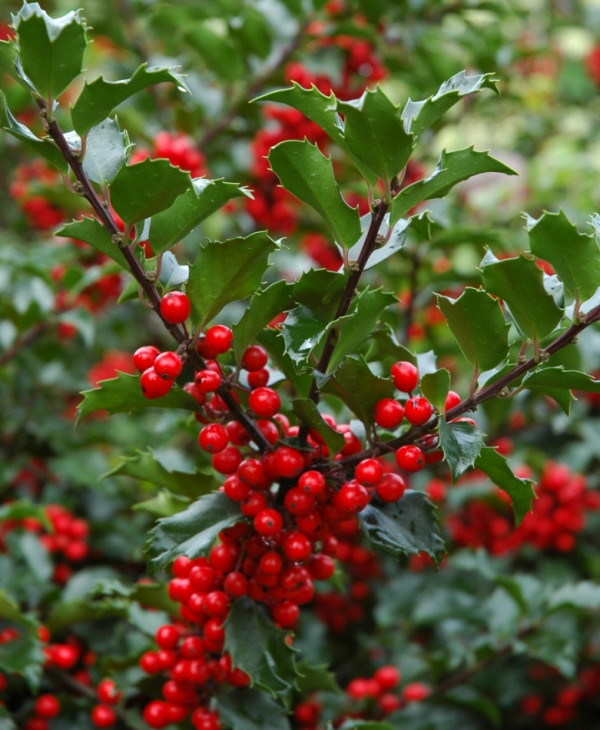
557 517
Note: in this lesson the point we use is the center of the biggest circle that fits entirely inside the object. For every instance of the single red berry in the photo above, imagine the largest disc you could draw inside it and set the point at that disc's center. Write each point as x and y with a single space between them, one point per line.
216 603
254 503
452 399
207 381
285 613
297 546
167 637
352 498
213 438
103 716
390 488
418 410
410 458
368 472
254 358
268 522
312 482
227 460
387 677
298 502
270 563
235 584
144 357
155 714
265 402
46 706
64 656
415 692
168 365
153 386
175 307
405 376
321 566
388 413
258 378
219 338
289 462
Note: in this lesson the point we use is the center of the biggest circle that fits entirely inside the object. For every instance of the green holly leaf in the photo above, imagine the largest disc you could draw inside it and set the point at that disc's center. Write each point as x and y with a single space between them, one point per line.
43 147
142 190
260 648
395 240
316 678
163 504
581 596
21 509
98 98
407 527
24 656
558 383
264 306
106 151
478 325
519 490
461 443
358 388
11 611
374 133
309 415
226 271
247 709
190 209
302 331
308 174
357 326
273 342
320 290
144 465
435 387
519 282
221 55
93 232
322 110
574 256
9 59
123 394
50 49
452 168
419 115
193 531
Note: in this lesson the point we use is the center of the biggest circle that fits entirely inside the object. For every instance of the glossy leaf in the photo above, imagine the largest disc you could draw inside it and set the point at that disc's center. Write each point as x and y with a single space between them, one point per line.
306 173
477 322
519 282
163 504
93 232
193 531
98 98
302 331
123 394
106 151
358 388
558 377
308 414
519 490
321 290
419 115
50 49
395 240
574 256
435 387
218 52
300 380
263 307
246 709
226 271
461 443
260 648
23 656
406 527
315 678
375 134
8 59
190 209
452 168
44 147
147 188
584 595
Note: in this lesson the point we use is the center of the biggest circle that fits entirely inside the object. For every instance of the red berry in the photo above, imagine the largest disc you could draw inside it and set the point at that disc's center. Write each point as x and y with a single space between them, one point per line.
410 458
46 706
168 365
351 499
258 378
235 584
415 692
219 338
153 386
418 410
390 488
368 472
254 358
387 677
452 399
213 438
268 522
285 613
155 714
312 482
388 413
175 307
167 637
321 566
297 546
405 376
207 381
144 357
288 461
265 402
227 460
103 716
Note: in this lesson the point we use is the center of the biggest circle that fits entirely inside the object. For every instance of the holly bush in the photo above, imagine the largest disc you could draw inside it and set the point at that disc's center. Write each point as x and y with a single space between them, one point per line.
300 411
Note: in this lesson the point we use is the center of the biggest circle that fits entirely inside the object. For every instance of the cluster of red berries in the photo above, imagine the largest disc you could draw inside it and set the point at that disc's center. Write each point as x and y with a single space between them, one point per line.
180 149
27 190
67 540
367 698
557 516
71 657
